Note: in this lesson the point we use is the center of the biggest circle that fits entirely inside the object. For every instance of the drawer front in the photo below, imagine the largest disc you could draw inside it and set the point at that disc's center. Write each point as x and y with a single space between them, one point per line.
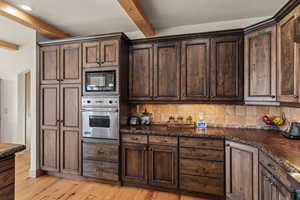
163 140
203 154
100 151
274 168
8 193
7 178
7 163
202 168
202 143
101 170
139 139
202 184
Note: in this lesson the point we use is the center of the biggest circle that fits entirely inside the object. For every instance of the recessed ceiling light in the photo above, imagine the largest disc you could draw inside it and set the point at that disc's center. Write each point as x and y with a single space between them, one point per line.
25 7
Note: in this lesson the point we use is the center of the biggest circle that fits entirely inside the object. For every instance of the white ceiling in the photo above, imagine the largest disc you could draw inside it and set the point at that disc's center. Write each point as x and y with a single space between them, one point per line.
87 17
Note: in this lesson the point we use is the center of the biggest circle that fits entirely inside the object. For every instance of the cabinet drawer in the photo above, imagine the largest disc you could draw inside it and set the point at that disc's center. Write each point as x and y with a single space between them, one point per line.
8 193
202 184
7 163
163 140
203 154
139 139
101 170
101 151
274 168
7 178
202 143
202 168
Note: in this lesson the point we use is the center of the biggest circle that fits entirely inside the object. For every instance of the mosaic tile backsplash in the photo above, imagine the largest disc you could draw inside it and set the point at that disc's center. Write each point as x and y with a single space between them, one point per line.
220 115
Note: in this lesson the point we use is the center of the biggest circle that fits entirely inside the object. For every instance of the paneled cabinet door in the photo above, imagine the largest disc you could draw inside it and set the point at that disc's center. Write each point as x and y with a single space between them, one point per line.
70 152
260 65
70 63
91 54
227 69
269 188
167 71
49 136
135 163
109 53
163 166
49 65
195 59
141 72
288 59
241 171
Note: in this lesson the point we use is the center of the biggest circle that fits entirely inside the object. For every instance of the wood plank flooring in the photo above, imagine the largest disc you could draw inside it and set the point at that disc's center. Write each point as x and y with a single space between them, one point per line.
52 188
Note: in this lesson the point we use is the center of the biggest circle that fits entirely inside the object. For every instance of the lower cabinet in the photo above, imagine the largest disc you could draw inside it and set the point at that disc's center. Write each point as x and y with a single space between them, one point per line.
163 166
241 171
270 188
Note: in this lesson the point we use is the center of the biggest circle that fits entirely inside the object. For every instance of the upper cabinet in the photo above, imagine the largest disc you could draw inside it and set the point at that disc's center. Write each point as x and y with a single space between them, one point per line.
141 72
260 66
227 69
103 53
195 59
60 64
288 55
167 71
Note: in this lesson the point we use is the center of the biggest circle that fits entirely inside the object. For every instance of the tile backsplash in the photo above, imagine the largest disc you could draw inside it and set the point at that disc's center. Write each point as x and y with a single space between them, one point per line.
219 115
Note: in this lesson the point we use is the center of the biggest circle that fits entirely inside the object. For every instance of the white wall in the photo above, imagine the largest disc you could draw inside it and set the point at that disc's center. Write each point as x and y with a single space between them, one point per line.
13 63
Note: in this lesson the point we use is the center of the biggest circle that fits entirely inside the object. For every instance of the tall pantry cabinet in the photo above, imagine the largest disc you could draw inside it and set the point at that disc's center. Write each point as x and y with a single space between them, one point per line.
60 93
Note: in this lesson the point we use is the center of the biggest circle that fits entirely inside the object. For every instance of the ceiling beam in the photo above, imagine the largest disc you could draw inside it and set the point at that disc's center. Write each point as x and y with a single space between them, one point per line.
30 21
8 45
136 13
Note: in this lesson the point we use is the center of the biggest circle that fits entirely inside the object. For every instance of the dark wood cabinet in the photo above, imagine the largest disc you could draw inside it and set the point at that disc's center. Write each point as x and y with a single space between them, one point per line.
270 188
226 74
135 163
195 65
241 171
49 138
288 59
109 53
49 65
260 65
70 63
70 125
141 72
163 166
90 54
167 71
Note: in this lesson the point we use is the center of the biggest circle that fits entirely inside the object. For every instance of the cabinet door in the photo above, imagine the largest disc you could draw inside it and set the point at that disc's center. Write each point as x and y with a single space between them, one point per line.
135 163
195 69
241 171
70 63
163 166
109 53
70 98
49 138
288 59
167 71
49 65
227 69
269 188
141 72
260 65
91 54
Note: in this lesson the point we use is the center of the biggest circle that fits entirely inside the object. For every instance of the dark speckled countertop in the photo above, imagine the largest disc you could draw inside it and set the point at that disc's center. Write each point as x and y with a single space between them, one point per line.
10 149
282 150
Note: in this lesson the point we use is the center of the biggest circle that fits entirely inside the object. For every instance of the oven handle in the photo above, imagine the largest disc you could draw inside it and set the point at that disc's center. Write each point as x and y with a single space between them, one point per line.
100 110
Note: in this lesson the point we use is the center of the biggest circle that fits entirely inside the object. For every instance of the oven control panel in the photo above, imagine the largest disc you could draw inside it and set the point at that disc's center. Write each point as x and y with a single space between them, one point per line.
100 101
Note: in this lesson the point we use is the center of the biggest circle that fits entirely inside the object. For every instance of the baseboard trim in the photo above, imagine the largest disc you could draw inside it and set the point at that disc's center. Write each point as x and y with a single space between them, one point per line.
36 173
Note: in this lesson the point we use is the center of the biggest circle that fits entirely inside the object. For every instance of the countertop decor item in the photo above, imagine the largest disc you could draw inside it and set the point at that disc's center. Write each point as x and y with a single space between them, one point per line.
274 122
180 123
146 118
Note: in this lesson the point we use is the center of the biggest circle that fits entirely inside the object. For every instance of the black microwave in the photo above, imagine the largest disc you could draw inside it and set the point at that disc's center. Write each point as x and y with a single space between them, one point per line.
100 81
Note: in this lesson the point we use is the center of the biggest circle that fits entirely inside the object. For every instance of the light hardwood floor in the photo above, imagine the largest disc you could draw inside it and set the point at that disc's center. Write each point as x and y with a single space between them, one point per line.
52 188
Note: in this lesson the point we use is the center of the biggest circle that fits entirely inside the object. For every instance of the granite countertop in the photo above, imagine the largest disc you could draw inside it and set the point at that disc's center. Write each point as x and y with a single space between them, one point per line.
9 149
282 150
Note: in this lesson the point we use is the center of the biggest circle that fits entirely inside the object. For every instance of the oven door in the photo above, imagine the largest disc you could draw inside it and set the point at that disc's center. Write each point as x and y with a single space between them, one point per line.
100 124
